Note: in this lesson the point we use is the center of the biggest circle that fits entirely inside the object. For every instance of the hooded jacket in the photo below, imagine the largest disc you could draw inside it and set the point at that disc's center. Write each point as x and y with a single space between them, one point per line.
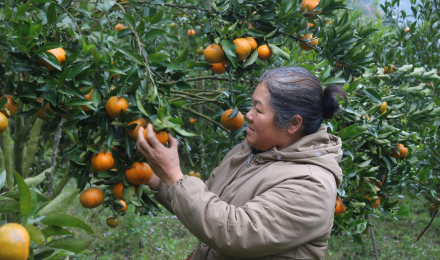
270 205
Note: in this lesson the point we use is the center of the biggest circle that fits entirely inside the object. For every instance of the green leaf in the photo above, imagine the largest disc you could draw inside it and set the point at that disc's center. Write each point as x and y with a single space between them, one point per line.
183 132
173 66
75 244
21 9
199 66
2 177
153 34
96 57
333 81
230 50
404 209
63 220
135 57
130 20
267 36
51 59
24 195
34 181
9 205
157 17
60 204
158 57
51 14
35 234
140 106
373 95
55 231
47 46
279 51
184 56
251 60
79 102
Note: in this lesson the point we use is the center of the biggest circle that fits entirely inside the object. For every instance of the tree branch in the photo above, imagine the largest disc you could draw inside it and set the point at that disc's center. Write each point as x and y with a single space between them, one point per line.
205 118
426 228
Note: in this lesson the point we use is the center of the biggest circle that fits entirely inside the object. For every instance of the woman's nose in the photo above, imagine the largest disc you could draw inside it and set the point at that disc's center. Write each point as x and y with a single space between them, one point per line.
249 115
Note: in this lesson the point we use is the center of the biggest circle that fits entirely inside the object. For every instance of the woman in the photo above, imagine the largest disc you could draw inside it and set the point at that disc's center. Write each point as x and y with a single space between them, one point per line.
273 196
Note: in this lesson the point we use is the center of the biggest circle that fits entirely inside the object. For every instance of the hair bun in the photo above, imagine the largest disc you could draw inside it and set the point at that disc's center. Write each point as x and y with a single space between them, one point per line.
331 104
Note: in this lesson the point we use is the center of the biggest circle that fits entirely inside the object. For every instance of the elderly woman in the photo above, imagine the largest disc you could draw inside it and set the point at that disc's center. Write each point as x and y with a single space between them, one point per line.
273 196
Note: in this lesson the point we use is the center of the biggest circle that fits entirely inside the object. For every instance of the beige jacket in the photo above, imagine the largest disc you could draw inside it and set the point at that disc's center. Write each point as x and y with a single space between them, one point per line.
270 205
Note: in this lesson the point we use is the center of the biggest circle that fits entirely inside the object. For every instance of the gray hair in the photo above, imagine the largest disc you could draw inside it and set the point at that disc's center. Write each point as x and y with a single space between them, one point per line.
296 91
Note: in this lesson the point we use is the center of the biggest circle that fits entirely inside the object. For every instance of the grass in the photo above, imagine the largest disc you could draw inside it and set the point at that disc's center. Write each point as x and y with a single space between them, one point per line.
162 236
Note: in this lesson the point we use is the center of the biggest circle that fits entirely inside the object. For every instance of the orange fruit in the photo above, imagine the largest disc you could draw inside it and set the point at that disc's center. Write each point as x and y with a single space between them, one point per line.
433 208
41 112
102 161
112 221
218 68
3 123
124 207
311 25
115 76
192 121
243 49
140 123
406 29
214 53
12 106
389 69
191 32
89 97
339 65
383 107
200 52
195 174
264 52
114 105
59 53
375 203
139 173
368 118
232 123
304 45
250 26
119 27
311 4
91 198
14 242
252 42
339 207
117 190
162 136
402 150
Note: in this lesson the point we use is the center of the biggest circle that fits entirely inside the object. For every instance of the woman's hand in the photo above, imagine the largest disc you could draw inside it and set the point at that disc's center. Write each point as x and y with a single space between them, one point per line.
154 182
164 161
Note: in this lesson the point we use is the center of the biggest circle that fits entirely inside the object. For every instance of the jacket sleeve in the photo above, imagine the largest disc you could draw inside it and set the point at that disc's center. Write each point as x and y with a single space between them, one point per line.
287 215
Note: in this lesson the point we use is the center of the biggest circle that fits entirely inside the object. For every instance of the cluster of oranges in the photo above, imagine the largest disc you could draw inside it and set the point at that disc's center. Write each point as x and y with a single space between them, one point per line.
12 107
215 55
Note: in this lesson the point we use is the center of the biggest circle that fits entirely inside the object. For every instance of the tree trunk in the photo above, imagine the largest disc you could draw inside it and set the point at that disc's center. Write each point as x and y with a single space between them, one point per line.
18 143
56 142
61 184
32 147
7 154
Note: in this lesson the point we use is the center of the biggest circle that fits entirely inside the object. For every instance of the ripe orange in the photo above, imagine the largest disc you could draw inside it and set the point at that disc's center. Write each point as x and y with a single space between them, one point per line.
91 198
243 49
195 174
311 5
139 173
40 113
140 123
218 68
114 105
191 32
214 53
14 242
389 69
119 27
383 107
375 203
232 123
304 45
89 97
3 123
162 136
339 207
252 42
264 52
12 106
339 65
406 29
368 118
112 221
117 190
311 25
59 53
402 150
102 161
433 208
124 207
250 26
192 121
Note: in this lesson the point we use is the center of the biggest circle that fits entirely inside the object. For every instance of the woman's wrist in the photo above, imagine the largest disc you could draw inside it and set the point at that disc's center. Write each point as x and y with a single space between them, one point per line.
154 182
173 179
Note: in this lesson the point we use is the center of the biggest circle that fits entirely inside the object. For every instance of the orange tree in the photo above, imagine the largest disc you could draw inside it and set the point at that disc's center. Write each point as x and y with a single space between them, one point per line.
94 72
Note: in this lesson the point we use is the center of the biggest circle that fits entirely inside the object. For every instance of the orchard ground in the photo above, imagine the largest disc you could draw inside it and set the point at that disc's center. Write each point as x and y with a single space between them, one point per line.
162 236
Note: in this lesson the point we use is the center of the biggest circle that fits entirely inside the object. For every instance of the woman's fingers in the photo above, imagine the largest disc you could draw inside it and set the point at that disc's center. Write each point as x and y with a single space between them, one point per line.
152 139
172 141
142 145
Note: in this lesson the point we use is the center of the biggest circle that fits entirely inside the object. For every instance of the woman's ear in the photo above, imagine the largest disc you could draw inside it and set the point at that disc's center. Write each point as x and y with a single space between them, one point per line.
296 125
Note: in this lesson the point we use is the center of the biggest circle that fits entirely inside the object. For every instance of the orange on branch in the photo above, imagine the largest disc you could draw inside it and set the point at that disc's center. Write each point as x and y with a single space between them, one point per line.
119 27
218 68
406 29
91 198
383 107
102 161
313 41
340 208
191 32
12 106
432 208
112 221
264 52
214 53
232 123
243 49
140 123
192 121
41 112
252 42
389 69
89 97
162 136
310 4
123 208
14 242
114 105
402 150
139 173
3 123
59 53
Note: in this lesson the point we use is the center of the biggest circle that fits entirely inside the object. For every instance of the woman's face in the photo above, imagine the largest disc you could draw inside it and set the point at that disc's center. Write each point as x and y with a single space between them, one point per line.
262 132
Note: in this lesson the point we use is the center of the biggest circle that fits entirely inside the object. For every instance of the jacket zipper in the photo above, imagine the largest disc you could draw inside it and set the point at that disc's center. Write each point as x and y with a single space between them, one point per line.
238 172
